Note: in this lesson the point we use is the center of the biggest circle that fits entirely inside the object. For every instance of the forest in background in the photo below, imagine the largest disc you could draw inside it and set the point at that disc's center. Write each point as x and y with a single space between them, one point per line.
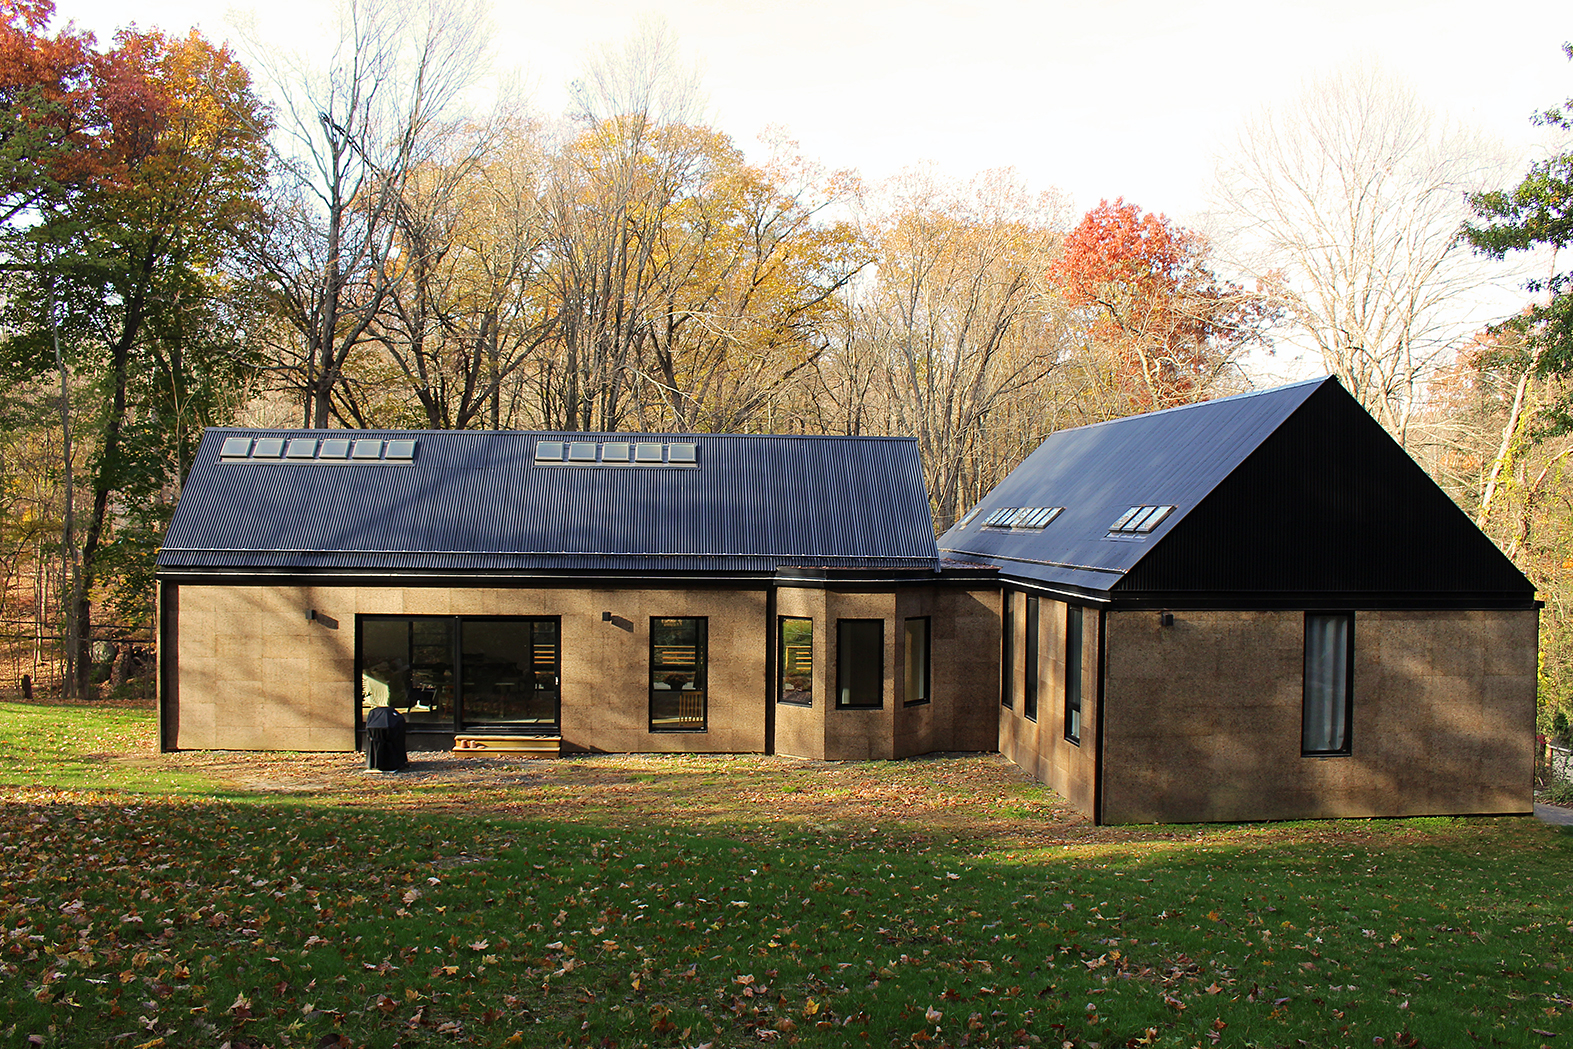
202 234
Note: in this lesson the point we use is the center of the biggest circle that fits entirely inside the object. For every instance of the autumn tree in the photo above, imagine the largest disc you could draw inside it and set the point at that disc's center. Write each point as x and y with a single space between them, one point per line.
1538 214
749 276
350 139
49 108
1164 322
1355 195
468 312
955 323
132 291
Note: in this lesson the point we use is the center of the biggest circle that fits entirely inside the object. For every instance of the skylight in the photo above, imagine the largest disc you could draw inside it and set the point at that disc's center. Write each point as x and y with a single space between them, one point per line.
311 451
1022 518
616 453
1140 520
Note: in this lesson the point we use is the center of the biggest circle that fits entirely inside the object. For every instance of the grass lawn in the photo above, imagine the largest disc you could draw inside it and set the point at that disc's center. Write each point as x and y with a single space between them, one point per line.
171 901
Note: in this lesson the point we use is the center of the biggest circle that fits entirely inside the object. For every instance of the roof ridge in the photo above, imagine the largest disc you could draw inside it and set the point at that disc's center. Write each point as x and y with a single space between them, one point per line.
1201 404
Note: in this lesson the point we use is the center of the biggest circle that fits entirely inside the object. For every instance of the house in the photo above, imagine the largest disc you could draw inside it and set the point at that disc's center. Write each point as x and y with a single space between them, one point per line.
1252 608
585 592
1257 607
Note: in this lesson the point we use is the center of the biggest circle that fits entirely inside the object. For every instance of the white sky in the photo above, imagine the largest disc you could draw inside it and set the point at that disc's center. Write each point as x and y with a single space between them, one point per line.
1100 99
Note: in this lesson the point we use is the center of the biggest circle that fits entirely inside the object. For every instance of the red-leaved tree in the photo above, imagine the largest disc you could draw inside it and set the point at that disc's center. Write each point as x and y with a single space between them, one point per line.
1164 326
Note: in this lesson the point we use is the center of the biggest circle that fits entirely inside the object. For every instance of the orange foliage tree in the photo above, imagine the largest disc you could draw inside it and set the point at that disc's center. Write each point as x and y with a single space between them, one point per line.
1168 325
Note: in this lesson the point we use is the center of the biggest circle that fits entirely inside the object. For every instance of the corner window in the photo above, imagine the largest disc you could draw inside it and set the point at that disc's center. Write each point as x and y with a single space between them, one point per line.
796 684
1007 648
1029 699
860 663
1073 636
1329 683
678 678
916 660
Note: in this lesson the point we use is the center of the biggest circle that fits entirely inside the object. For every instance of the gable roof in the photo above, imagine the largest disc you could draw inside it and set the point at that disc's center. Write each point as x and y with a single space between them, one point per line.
479 500
1293 495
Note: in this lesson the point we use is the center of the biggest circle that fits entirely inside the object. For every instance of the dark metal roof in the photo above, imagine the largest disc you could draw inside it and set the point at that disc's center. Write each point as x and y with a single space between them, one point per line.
1291 491
476 500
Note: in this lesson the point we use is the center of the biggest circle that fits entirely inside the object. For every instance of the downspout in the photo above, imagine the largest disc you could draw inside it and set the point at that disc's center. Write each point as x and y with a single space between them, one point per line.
1097 760
770 669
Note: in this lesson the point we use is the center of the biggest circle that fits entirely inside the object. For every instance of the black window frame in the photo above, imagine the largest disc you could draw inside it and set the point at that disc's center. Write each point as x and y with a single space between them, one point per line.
457 722
1346 745
842 654
1075 634
925 694
1029 692
781 661
701 677
1008 651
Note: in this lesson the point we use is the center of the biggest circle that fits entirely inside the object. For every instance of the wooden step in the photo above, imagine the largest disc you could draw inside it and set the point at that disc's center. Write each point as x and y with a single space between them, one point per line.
525 746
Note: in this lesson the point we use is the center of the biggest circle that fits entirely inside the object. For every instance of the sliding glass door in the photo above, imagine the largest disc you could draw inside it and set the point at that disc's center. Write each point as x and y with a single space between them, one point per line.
451 673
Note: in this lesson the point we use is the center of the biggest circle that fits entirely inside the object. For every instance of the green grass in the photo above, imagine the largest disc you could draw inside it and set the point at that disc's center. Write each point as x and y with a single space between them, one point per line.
76 747
174 918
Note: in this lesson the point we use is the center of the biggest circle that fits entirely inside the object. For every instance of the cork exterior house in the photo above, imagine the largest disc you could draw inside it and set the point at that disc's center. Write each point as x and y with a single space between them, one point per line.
583 592
1252 608
1257 607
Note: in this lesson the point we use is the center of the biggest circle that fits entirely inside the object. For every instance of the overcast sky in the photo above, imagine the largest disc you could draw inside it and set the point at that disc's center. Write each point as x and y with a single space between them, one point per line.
1130 97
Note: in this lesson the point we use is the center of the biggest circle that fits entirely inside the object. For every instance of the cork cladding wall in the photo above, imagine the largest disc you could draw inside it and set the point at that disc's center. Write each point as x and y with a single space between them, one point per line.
1202 719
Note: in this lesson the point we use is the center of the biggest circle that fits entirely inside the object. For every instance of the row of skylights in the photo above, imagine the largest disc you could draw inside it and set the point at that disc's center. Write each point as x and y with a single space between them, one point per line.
615 453
1033 517
330 452
1139 520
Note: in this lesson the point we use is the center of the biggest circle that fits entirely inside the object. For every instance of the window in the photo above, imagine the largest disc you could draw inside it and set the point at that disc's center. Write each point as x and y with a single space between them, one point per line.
1329 680
860 663
1029 702
797 661
678 674
1007 648
1073 635
917 661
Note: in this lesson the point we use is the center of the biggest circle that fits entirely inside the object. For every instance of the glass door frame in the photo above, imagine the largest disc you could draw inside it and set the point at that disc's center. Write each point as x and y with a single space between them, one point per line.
458 722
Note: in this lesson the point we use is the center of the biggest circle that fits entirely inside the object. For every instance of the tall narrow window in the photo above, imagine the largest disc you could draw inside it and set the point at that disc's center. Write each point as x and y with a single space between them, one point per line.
797 661
1329 681
678 673
917 661
1073 635
860 662
1007 649
1029 700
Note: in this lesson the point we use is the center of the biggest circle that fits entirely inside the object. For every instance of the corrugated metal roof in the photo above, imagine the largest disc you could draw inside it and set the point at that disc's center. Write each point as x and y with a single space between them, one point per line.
478 500
1098 472
1295 490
